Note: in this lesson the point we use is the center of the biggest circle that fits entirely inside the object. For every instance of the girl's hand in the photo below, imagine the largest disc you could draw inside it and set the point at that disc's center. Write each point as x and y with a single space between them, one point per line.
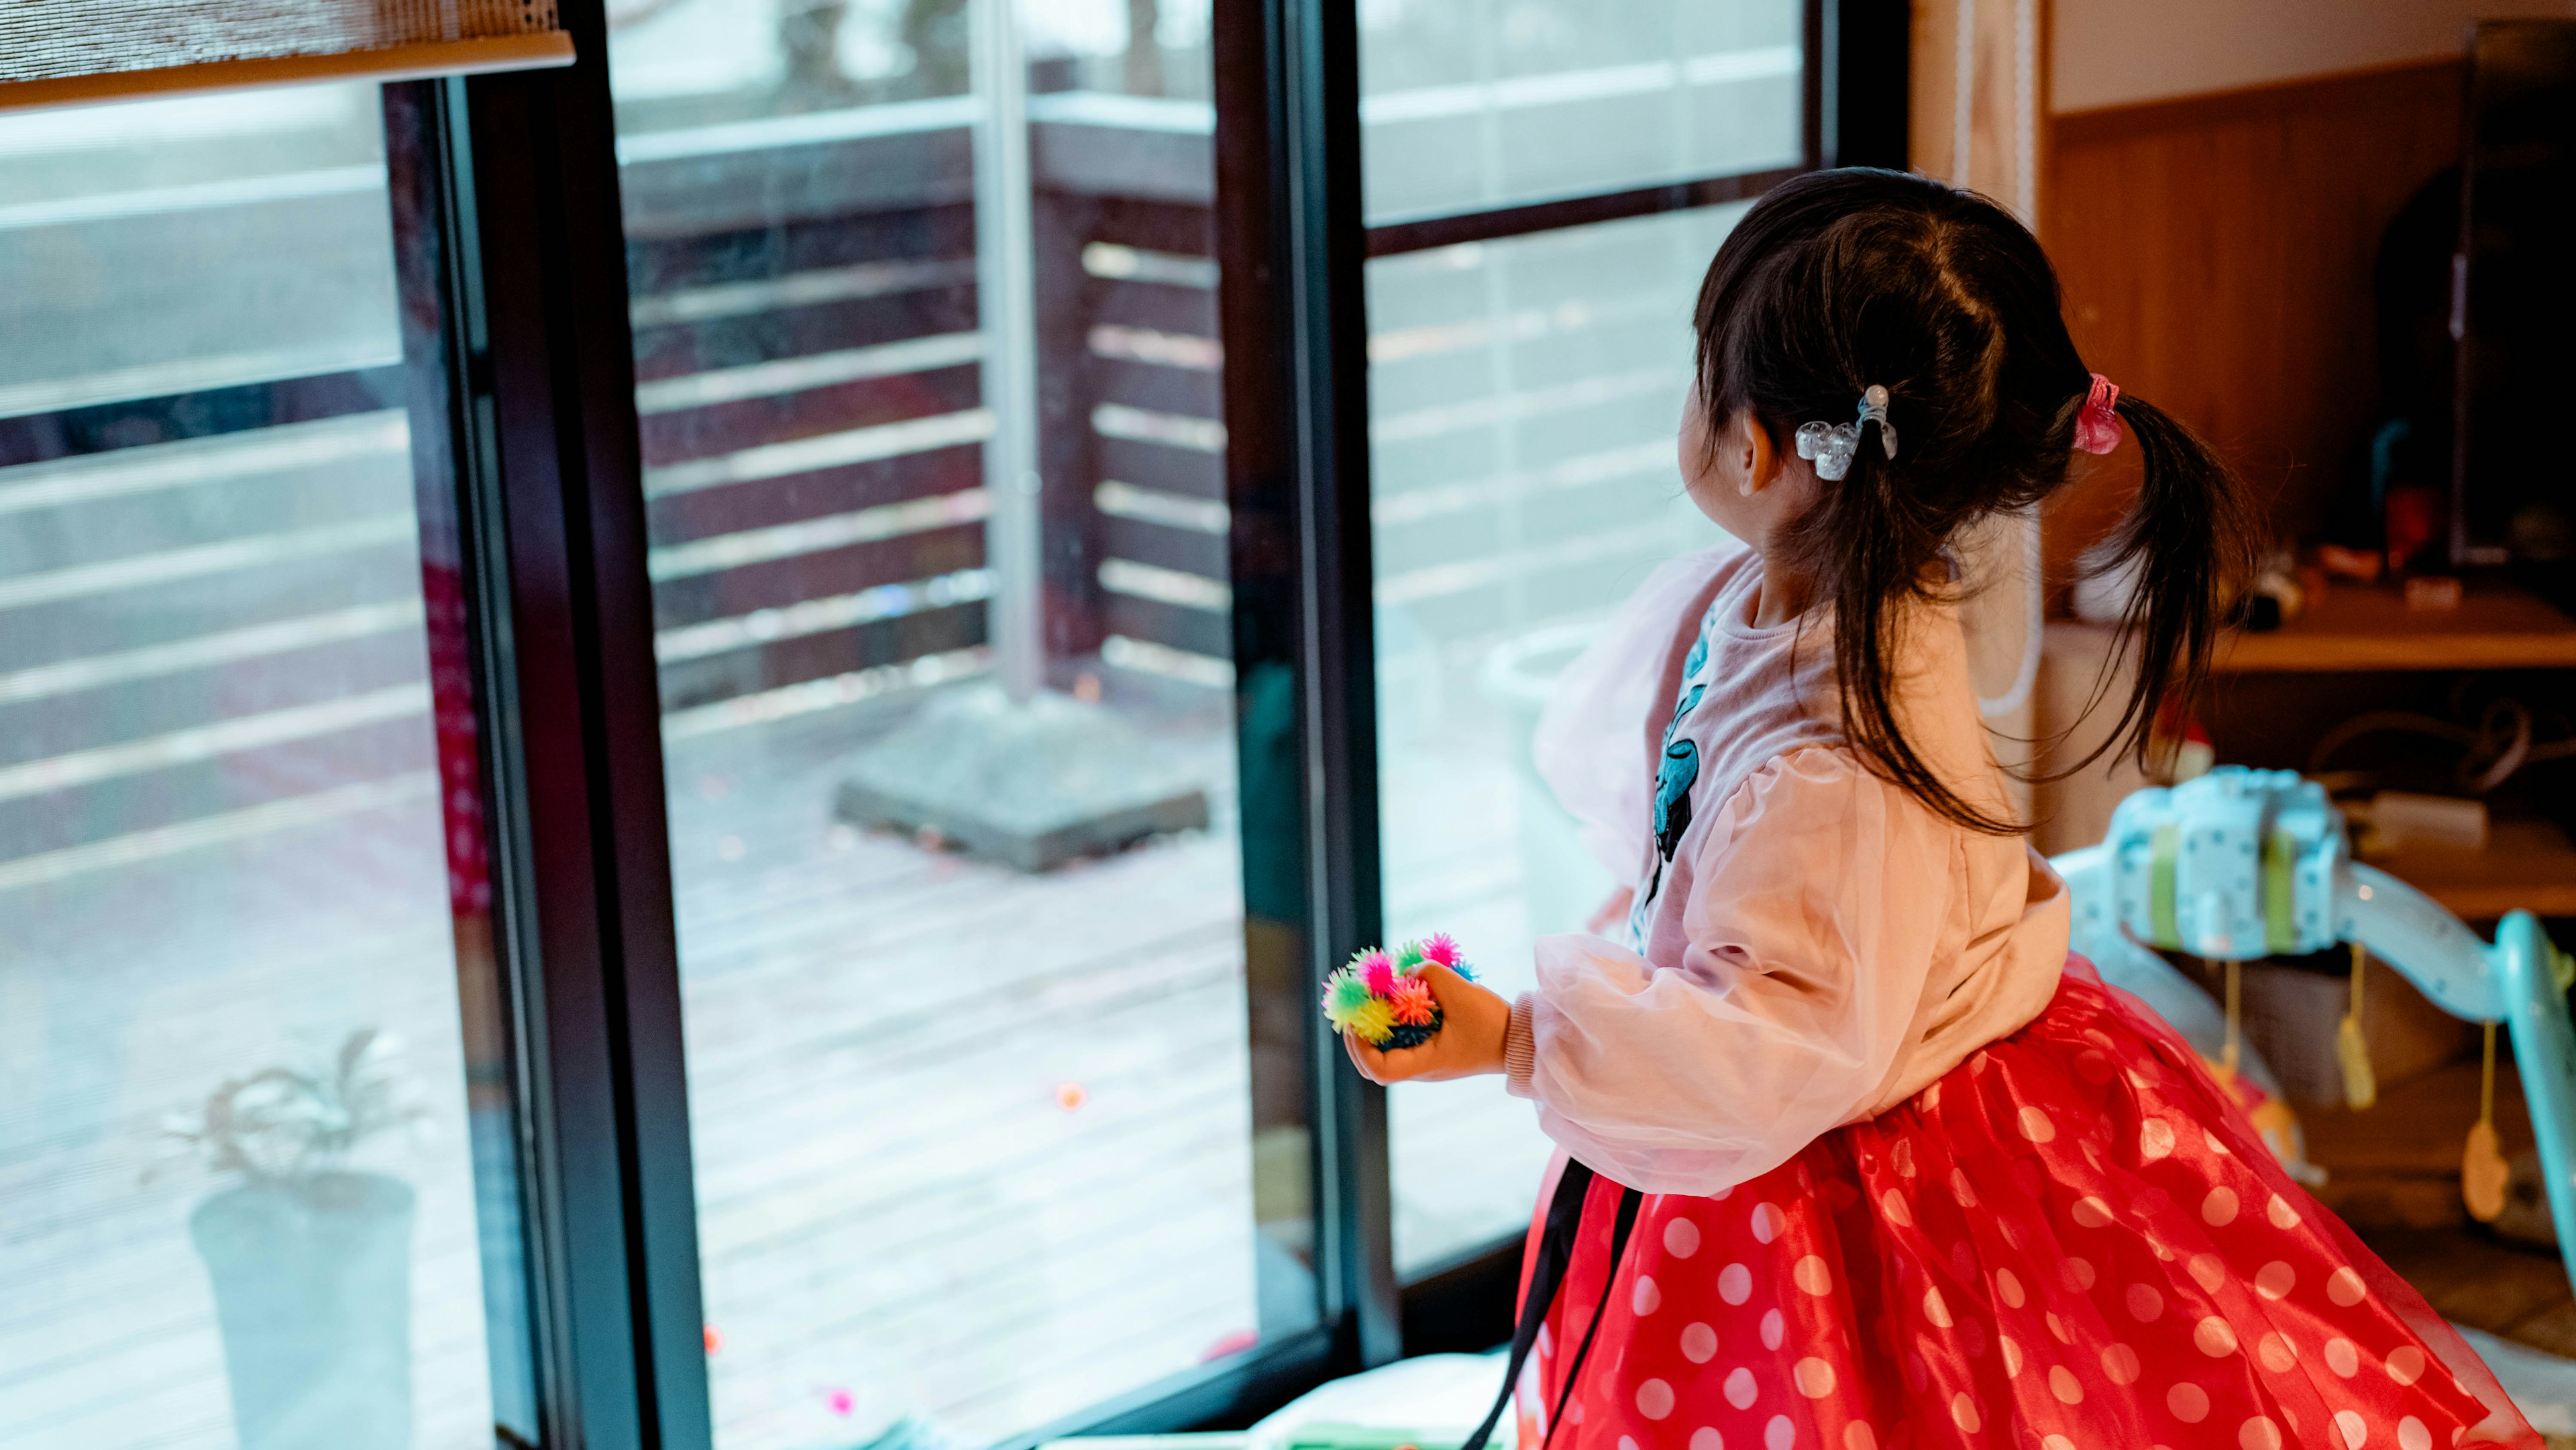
1473 1023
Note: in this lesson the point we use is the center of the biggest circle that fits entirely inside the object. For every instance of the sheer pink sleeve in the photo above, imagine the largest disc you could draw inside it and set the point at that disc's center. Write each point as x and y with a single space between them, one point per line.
1591 743
1822 896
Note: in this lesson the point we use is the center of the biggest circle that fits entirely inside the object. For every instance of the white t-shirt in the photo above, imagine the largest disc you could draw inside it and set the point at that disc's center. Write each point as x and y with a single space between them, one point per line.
1808 944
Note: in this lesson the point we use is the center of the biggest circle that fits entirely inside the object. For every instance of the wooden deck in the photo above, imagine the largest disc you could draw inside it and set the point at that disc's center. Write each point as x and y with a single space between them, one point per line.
898 1216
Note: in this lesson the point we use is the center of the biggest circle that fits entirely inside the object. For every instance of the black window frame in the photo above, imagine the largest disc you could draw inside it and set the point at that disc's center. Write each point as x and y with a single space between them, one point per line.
546 437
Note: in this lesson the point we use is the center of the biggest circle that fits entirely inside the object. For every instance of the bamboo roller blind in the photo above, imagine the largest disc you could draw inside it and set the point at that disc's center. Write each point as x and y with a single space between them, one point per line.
65 51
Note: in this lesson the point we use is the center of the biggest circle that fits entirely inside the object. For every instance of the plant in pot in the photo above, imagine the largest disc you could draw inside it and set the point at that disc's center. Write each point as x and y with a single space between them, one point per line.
310 1257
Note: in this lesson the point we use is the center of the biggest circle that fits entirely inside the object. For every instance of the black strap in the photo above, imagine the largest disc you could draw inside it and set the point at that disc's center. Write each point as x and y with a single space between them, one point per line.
1547 1275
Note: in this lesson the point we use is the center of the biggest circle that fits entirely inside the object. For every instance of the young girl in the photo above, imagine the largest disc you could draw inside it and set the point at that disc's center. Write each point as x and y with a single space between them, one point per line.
1855 1155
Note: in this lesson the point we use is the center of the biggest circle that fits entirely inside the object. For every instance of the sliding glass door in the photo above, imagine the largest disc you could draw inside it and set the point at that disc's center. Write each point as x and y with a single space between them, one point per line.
258 1110
993 1125
1545 183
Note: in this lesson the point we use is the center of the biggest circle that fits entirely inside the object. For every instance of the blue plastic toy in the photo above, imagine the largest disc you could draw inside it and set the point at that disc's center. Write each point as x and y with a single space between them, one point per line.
2248 863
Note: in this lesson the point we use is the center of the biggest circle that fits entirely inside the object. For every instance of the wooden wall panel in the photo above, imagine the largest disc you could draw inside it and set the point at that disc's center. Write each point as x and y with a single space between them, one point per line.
2216 254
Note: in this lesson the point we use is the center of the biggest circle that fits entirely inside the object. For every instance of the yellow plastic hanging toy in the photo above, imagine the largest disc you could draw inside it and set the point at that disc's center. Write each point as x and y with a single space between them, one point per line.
2352 1050
2482 1167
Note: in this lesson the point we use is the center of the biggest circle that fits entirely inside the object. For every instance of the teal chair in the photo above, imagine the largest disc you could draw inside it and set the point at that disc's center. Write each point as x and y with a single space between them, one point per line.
2247 863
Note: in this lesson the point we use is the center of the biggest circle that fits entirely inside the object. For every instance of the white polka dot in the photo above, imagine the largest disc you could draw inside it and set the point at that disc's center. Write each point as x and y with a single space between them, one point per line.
2405 1364
2012 1355
1766 1222
2281 1213
1705 1438
2057 1327
2207 1272
2078 1275
1681 1240
1739 1388
1961 1190
1627 1443
2341 1357
2274 1280
2056 1442
2120 1364
1814 1377
1812 1276
2093 1067
1699 1343
1963 1413
2209 1140
2276 1352
1779 1434
2155 1139
2189 1403
2411 1435
2219 1208
2344 1287
1646 1298
2036 1127
2145 1303
2091 1212
1935 1310
2062 1383
1892 1203
1575 1416
2215 1337
1859 1436
2258 1433
1902 1155
1931 1096
1735 1283
2354 1429
1917 1373
1654 1399
2008 1288
1774 1329
1723 1194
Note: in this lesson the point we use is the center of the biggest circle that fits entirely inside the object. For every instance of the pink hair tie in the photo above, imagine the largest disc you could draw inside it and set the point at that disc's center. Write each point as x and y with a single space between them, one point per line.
2097 429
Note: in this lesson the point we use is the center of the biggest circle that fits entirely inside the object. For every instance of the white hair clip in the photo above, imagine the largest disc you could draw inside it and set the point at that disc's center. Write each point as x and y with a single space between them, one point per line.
1831 446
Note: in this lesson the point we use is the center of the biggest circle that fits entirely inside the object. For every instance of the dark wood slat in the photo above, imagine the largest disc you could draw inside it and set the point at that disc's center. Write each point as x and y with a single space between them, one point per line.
718 428
1152 465
1199 631
105 426
1159 386
659 265
1191 552
176 794
1394 238
782 582
1161 306
821 656
666 352
732 508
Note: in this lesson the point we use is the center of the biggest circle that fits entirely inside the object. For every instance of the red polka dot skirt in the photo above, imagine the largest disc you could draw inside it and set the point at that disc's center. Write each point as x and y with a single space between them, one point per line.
2071 1241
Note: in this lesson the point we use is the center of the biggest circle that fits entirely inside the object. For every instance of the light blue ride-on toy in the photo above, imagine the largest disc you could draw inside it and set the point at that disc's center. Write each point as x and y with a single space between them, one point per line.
2246 863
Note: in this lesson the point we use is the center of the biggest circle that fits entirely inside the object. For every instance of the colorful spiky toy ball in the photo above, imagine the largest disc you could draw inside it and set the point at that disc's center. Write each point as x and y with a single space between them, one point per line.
1381 998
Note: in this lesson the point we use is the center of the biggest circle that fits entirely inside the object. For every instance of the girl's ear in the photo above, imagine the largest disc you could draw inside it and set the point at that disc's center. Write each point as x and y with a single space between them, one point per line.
1760 460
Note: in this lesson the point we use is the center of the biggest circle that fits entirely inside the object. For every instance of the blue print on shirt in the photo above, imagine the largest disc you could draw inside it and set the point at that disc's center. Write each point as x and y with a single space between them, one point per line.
1673 781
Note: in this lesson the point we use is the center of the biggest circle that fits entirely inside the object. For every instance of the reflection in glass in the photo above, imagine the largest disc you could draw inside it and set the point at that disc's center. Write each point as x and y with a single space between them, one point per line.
256 1172
1523 400
993 1118
1470 104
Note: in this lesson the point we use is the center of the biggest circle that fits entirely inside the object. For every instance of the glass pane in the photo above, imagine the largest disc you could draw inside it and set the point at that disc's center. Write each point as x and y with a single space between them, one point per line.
1469 104
256 1163
994 1118
1523 401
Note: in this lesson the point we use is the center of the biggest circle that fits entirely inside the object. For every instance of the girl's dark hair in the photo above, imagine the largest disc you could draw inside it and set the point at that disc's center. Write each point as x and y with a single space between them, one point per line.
1837 280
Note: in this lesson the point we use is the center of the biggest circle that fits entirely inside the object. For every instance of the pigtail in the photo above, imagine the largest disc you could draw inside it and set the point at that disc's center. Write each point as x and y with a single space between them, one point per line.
1881 537
2188 543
